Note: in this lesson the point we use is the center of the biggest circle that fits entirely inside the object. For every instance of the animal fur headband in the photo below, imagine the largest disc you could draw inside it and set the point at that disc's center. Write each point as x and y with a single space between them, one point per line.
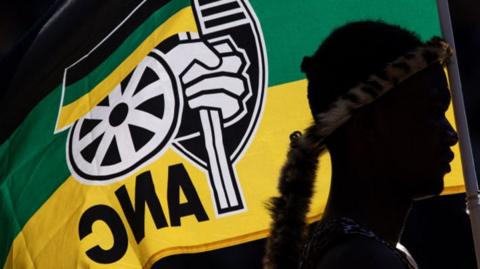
288 211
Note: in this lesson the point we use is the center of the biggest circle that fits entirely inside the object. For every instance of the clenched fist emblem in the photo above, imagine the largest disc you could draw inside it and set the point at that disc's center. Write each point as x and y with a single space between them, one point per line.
212 75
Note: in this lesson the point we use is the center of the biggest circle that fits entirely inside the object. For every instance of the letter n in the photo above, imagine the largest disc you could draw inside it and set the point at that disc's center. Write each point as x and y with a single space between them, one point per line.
144 195
179 180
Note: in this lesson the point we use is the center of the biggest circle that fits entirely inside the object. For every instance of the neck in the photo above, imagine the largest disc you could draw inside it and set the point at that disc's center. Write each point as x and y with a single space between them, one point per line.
379 208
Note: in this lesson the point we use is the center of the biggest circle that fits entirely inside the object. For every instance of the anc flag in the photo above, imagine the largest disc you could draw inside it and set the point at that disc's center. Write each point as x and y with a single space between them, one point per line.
137 134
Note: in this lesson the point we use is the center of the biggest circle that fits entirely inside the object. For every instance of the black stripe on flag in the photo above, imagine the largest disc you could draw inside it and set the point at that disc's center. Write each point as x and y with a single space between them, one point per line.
247 255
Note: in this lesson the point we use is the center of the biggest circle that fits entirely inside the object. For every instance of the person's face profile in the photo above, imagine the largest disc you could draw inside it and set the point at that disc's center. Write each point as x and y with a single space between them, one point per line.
416 134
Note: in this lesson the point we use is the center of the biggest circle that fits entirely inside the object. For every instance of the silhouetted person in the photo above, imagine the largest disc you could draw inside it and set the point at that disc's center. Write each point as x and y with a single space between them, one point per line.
378 96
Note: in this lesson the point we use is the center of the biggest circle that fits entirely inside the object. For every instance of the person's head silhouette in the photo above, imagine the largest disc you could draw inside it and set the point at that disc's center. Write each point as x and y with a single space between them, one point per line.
378 96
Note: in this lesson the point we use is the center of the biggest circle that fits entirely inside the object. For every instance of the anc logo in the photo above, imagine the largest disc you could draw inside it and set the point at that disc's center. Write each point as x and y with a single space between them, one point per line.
199 92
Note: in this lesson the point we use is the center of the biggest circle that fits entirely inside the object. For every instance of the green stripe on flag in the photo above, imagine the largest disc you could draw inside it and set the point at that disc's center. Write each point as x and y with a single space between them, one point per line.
33 166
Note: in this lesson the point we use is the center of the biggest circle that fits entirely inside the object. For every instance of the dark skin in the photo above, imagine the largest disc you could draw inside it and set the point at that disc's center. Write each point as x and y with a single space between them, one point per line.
397 150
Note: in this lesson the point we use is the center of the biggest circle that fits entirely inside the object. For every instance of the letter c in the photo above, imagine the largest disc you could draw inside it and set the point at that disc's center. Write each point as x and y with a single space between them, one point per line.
114 222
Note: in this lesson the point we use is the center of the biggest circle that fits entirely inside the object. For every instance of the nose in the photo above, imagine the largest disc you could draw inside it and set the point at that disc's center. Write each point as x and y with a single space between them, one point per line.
451 137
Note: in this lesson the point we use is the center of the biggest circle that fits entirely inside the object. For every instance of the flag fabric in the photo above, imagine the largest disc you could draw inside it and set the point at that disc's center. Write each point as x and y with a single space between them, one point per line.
137 132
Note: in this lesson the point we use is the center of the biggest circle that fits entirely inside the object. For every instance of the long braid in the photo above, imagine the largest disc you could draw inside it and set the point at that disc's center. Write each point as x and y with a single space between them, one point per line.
289 210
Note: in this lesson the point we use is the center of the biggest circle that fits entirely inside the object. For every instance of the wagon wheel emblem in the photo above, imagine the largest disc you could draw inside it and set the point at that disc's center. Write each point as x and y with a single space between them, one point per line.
136 121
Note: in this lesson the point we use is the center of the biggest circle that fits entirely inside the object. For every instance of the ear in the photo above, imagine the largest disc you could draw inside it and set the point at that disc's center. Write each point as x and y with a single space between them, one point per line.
364 124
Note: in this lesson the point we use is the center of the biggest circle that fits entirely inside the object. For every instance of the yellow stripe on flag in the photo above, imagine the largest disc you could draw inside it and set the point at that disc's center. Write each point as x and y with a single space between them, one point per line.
454 181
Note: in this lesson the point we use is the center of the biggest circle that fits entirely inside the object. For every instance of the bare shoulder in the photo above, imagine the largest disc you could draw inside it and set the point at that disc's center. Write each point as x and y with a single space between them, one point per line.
360 252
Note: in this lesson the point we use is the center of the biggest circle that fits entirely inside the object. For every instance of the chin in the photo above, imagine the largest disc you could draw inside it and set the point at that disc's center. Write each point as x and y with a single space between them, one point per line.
433 189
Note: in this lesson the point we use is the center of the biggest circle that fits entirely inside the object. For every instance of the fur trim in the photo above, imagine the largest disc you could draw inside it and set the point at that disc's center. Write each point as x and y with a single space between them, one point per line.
289 210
